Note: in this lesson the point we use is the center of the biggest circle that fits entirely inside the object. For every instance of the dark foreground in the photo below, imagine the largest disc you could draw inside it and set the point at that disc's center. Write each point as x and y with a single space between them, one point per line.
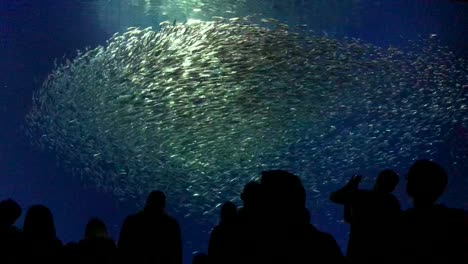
272 226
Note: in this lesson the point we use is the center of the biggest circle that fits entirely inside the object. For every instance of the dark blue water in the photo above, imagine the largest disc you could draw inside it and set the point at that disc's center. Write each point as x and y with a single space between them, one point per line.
33 33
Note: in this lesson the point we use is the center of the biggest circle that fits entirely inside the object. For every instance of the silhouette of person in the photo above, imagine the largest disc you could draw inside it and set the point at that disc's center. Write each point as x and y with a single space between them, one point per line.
97 246
282 213
249 221
251 199
10 235
151 236
432 233
321 246
285 234
224 239
41 242
373 217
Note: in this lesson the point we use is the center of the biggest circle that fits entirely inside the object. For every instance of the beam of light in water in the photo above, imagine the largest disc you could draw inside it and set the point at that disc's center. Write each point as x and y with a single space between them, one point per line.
197 110
115 15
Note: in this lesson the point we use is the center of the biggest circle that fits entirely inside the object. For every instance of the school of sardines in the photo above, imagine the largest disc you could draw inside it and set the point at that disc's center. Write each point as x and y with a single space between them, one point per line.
198 110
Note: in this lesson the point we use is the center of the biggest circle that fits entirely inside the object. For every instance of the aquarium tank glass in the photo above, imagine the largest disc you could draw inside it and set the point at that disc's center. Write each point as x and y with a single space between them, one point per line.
103 101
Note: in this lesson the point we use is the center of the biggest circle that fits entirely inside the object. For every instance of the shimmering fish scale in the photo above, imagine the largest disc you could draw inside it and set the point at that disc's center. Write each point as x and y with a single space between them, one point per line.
197 110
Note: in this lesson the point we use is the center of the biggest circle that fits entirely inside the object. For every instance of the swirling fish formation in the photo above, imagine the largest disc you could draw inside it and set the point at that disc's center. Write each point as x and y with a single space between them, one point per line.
198 110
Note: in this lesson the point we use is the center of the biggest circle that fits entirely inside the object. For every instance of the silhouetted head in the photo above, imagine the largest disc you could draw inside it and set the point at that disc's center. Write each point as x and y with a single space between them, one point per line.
228 212
283 189
251 194
96 228
387 181
426 182
39 223
156 201
10 211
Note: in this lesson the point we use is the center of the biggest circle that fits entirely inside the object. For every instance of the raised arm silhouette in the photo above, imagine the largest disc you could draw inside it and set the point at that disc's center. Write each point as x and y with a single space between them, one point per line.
373 217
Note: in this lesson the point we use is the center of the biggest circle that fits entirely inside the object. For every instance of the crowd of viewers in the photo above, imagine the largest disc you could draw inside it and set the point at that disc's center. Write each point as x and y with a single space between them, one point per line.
273 225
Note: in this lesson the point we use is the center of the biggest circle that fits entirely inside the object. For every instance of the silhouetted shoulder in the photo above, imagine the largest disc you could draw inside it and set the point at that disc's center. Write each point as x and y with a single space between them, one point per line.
330 246
12 232
435 213
151 235
134 218
323 246
106 243
434 233
11 245
131 222
171 219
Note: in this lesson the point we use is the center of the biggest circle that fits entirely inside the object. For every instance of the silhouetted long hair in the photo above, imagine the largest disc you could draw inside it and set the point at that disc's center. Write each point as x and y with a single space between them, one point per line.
39 223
